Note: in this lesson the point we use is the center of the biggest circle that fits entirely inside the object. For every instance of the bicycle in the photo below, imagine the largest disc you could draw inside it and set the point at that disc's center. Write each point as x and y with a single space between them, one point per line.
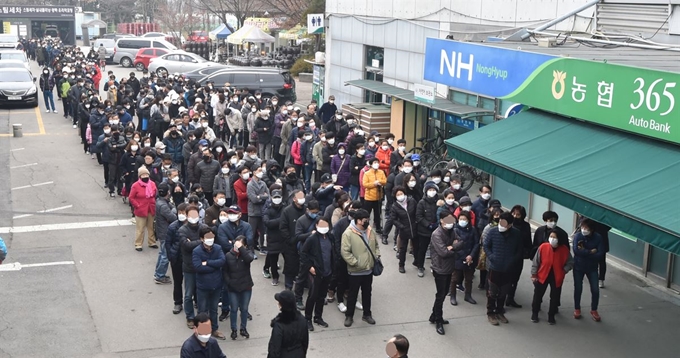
468 174
432 150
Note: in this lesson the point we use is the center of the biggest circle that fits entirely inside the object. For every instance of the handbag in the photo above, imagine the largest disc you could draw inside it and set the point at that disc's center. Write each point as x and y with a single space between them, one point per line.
377 264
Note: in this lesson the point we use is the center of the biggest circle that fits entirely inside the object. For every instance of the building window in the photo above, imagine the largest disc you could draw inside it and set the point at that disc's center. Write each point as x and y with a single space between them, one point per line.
375 57
374 71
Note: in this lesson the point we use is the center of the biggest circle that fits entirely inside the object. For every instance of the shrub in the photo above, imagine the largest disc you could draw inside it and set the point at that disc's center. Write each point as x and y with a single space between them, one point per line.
301 66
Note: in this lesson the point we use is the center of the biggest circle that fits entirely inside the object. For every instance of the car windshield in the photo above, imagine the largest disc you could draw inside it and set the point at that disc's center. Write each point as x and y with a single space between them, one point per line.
12 56
8 38
13 76
11 64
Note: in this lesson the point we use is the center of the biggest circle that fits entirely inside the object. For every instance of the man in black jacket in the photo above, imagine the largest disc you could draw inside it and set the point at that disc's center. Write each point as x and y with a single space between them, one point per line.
543 233
189 238
173 249
304 228
519 214
317 259
426 217
289 218
340 280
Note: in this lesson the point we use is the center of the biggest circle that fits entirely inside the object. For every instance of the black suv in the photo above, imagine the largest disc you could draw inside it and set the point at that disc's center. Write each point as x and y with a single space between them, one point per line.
270 81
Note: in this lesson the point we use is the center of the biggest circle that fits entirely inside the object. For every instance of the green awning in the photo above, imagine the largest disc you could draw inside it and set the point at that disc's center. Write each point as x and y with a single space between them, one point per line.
440 104
628 182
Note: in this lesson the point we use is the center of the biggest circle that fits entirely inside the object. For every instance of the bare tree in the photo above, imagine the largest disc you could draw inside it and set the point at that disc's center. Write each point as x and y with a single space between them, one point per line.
178 16
241 9
292 9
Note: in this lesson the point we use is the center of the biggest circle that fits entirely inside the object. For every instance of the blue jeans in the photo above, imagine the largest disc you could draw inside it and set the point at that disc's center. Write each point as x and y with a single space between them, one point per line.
48 99
594 288
239 302
354 192
207 302
162 262
308 169
189 292
225 298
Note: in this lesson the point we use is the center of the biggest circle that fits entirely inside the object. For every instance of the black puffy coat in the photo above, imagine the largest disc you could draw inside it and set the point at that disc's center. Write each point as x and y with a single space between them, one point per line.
469 246
191 232
405 219
289 218
272 220
426 214
236 270
290 337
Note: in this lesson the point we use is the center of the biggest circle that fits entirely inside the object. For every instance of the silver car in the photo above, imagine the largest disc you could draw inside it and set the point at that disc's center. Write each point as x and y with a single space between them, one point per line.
178 62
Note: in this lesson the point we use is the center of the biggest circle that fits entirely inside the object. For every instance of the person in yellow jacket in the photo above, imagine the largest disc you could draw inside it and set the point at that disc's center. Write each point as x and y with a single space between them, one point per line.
354 246
374 181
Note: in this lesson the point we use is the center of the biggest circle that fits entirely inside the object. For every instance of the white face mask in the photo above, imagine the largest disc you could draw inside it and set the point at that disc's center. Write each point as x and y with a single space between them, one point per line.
181 217
193 220
322 230
450 201
245 176
401 198
390 141
175 179
411 184
232 217
371 144
221 201
338 116
218 149
259 175
431 193
223 219
447 179
204 338
502 228
416 163
301 201
209 242
359 132
585 232
466 208
486 196
551 224
276 201
407 170
437 180
463 223
448 226
401 149
233 161
225 170
331 141
456 186
375 166
553 241
361 151
341 151
107 131
134 148
204 124
385 147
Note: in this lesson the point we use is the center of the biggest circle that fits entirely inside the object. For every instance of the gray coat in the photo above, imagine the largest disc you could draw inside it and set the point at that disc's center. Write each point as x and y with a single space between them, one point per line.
443 259
256 188
206 172
191 232
165 215
222 183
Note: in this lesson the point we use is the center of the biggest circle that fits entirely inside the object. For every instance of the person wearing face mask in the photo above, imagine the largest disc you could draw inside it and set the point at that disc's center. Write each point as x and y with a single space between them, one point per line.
47 86
212 214
317 260
296 153
250 158
165 216
404 218
264 127
374 181
287 231
258 193
588 251
102 150
483 217
201 344
208 260
272 220
289 337
222 182
543 232
446 245
239 281
389 223
173 252
291 183
116 149
304 228
143 201
550 265
398 154
482 203
436 177
371 146
356 163
426 217
328 110
356 242
494 213
503 248
384 155
206 170
241 190
466 257
519 213
286 133
174 144
128 165
98 121
603 230
189 238
458 192
465 205
340 167
272 172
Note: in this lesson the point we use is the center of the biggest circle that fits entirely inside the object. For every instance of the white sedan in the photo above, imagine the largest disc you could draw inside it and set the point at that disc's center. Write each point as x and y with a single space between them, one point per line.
178 62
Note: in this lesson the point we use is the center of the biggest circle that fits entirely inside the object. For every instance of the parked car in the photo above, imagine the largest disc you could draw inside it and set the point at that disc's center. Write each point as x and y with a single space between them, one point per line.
18 87
9 42
154 34
109 44
198 36
178 61
270 81
125 50
200 73
12 64
17 55
115 36
145 55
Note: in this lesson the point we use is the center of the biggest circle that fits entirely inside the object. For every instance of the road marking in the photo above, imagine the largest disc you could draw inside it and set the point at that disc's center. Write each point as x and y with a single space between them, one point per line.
17 149
41 126
43 211
33 185
16 266
23 166
66 226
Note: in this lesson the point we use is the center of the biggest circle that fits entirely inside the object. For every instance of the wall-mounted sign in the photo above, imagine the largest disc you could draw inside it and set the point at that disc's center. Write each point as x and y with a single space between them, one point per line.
315 24
424 93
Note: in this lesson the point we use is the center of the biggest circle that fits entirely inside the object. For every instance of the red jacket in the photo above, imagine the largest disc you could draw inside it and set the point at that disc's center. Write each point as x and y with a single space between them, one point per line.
473 218
547 258
295 152
384 157
143 204
241 189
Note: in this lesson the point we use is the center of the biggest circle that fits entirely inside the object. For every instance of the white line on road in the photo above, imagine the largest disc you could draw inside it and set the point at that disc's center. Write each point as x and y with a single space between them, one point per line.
16 266
33 185
23 166
43 211
66 226
17 149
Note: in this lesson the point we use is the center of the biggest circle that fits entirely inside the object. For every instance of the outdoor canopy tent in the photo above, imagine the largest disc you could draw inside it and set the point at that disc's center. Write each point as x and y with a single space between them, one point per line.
221 32
625 181
249 34
295 33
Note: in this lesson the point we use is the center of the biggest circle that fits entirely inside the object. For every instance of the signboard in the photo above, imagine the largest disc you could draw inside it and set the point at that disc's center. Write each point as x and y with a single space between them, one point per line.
636 100
6 27
38 11
460 122
264 23
315 24
424 93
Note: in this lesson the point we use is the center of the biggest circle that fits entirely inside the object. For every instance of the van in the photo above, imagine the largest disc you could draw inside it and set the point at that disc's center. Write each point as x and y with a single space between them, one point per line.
270 81
126 48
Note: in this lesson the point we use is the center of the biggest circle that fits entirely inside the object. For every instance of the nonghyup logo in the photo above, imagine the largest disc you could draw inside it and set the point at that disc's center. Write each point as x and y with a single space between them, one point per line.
558 79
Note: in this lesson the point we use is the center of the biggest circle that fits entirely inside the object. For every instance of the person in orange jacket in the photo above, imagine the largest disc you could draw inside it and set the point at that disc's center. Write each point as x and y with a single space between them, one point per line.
383 154
374 181
551 264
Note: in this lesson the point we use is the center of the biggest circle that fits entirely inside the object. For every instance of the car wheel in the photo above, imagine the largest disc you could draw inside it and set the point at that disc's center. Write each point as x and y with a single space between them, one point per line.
161 71
139 66
125 62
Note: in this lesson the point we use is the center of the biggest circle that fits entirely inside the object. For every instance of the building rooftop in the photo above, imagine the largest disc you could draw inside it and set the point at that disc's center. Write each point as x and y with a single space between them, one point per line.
663 60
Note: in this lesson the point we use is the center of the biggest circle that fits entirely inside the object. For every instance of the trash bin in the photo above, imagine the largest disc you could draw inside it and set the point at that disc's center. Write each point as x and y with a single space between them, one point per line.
17 130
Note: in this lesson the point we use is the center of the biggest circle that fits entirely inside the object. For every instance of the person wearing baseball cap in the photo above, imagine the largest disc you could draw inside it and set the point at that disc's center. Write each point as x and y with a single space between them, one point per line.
290 337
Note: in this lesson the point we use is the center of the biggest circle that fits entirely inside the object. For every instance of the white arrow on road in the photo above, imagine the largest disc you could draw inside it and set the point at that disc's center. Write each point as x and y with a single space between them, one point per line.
16 266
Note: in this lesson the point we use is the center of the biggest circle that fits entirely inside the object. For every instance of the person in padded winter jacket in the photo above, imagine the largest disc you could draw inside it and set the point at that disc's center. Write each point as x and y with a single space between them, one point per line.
275 244
208 260
426 216
240 283
403 212
466 257
445 244
189 238
289 337
519 222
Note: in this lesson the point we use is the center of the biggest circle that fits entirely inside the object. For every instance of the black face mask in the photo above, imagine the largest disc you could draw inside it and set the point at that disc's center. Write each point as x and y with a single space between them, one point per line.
206 158
517 220
146 180
496 220
173 133
291 176
200 194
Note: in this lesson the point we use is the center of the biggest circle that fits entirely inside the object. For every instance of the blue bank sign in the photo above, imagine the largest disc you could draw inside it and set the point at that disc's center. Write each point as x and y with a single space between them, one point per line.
485 70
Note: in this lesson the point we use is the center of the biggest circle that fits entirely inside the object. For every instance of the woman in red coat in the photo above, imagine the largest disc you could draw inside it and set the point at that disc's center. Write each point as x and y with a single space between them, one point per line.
143 200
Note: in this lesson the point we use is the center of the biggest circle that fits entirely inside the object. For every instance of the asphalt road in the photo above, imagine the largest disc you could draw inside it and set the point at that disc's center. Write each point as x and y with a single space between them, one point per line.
98 299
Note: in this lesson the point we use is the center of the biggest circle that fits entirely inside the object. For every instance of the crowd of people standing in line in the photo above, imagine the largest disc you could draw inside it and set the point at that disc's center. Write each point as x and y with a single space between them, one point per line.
208 170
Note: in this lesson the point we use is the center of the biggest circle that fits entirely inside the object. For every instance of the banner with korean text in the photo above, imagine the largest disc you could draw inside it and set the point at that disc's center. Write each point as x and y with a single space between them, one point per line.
637 100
